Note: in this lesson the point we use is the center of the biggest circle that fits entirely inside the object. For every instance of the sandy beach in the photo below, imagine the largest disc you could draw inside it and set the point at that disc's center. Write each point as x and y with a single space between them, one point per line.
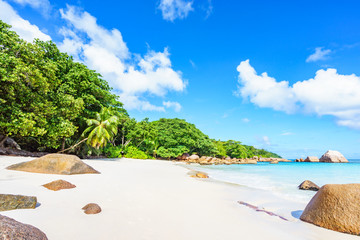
151 199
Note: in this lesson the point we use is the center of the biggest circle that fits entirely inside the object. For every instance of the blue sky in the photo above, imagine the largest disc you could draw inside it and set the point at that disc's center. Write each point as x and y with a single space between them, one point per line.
203 61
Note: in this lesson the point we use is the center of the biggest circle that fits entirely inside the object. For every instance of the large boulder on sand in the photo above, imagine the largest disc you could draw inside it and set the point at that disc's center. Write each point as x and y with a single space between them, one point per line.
59 185
11 229
333 157
11 202
335 207
311 159
308 185
54 164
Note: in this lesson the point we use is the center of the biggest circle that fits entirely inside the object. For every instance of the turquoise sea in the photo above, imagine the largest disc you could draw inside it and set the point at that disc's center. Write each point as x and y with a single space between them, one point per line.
283 179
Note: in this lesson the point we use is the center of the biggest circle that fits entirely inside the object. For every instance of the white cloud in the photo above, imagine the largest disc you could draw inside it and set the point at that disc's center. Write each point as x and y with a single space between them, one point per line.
193 64
22 27
135 102
319 54
245 120
328 93
209 9
105 51
177 107
42 5
287 133
173 9
263 90
264 140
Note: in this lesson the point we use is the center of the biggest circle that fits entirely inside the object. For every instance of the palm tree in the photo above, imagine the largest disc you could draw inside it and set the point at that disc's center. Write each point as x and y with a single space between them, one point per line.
101 129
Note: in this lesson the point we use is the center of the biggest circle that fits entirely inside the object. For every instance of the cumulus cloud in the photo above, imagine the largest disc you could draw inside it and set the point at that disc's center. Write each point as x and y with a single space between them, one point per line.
263 90
319 54
173 9
22 27
105 51
328 93
175 105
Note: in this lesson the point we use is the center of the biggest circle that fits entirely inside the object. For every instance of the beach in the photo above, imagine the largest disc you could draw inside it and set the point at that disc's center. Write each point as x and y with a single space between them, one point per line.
153 199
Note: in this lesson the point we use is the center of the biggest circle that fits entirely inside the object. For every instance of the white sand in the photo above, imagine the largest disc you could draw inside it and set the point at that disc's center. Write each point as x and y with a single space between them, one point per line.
148 199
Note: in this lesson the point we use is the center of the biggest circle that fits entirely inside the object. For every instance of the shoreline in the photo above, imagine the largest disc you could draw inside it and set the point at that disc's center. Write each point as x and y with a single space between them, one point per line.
150 199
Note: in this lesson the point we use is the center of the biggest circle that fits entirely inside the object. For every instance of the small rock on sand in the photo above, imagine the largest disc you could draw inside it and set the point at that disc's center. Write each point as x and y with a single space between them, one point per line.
91 208
58 185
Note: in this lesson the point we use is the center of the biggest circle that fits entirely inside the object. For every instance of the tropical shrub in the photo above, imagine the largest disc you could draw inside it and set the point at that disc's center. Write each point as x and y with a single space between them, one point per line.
113 151
134 152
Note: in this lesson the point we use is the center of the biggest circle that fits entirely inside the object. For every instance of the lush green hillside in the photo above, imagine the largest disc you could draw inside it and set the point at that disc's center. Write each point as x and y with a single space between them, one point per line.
50 103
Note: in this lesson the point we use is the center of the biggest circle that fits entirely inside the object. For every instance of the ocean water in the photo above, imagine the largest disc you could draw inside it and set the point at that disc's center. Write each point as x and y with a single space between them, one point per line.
283 179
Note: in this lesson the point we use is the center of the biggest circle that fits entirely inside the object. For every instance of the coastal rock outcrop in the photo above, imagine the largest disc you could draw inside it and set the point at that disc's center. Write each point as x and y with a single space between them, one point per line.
205 160
308 185
333 157
273 159
11 229
91 208
311 159
299 160
59 185
335 207
184 156
194 157
11 202
54 164
274 162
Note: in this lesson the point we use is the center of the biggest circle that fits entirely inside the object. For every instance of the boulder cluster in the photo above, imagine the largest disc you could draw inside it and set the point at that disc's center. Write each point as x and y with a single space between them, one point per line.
205 160
330 157
50 164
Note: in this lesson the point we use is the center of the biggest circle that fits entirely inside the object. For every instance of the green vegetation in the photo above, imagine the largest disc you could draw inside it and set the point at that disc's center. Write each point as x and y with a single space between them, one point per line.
102 129
51 103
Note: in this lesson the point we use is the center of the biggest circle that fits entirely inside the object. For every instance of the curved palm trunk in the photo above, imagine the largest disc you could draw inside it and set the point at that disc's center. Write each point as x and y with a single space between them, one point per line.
74 146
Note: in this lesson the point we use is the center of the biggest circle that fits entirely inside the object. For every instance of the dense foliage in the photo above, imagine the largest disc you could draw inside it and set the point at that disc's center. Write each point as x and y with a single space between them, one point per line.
50 103
45 96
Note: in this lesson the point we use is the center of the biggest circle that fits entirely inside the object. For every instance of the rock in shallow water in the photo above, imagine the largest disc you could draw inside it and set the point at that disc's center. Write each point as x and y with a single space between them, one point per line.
335 207
58 185
311 159
11 202
308 185
54 164
333 157
91 208
11 229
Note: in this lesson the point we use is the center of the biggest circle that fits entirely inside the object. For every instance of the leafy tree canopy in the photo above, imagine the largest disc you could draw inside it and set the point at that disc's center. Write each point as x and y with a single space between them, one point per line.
45 96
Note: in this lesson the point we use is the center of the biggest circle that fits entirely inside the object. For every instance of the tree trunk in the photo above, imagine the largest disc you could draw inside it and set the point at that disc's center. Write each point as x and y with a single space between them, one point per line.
122 139
74 146
3 141
63 144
